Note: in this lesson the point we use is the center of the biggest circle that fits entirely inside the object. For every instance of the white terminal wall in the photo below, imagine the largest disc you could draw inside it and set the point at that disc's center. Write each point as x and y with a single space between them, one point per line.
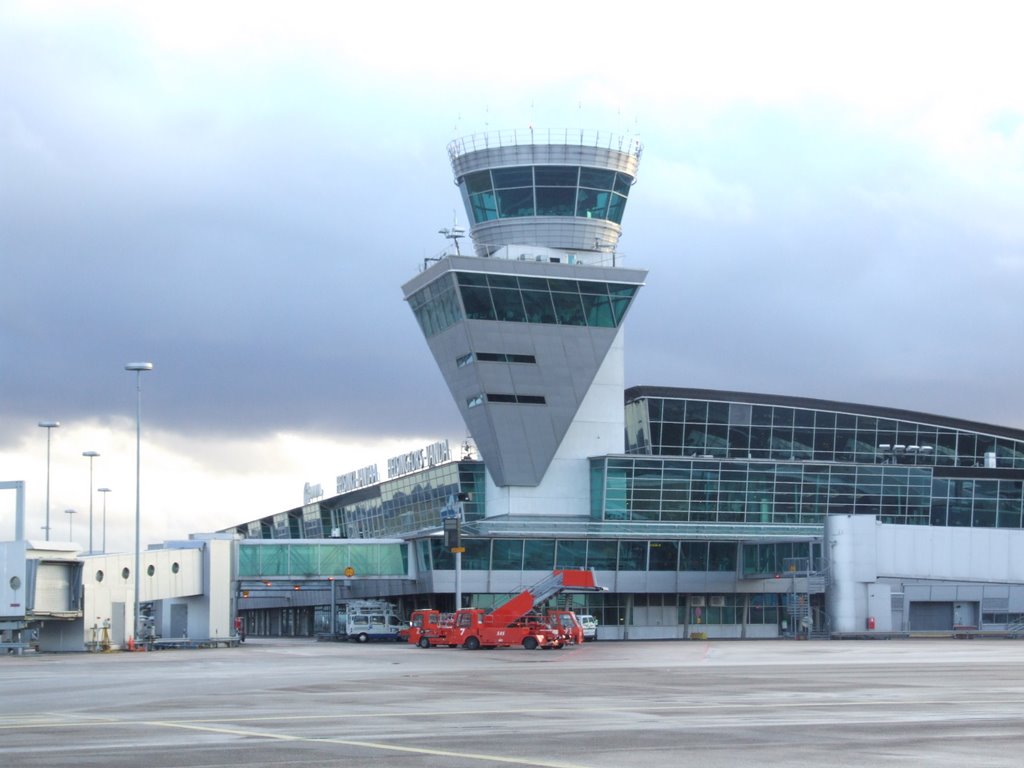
597 429
866 556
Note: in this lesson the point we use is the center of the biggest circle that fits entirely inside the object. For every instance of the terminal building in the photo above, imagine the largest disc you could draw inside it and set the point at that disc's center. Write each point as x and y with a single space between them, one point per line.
703 513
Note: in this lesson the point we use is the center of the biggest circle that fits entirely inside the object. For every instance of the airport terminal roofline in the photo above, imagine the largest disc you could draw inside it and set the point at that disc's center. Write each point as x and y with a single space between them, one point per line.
792 401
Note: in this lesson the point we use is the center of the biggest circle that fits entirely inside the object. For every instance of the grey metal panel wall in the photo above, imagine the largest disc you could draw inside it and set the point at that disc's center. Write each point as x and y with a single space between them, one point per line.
931 616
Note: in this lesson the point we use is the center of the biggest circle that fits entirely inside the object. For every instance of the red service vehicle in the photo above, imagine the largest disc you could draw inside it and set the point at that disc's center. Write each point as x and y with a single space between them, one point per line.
425 624
511 623
567 622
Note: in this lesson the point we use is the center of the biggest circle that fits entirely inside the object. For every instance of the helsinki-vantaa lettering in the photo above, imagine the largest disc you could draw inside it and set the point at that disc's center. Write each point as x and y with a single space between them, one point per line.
360 478
431 455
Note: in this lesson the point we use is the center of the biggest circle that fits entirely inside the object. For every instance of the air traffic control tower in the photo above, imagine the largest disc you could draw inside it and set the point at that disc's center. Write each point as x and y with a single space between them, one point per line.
527 332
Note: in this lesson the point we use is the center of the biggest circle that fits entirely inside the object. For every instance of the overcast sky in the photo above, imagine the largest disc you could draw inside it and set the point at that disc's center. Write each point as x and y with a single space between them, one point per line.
830 203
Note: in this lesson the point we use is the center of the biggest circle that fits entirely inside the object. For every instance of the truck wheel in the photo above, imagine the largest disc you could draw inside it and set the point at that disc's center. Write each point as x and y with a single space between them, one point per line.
362 637
472 644
530 643
424 643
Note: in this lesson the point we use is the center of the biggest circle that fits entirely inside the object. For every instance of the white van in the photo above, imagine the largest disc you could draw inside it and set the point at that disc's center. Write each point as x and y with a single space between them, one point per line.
371 620
589 624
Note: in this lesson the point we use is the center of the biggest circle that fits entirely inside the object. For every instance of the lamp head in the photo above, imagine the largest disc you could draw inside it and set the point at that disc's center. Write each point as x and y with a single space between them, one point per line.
138 366
49 424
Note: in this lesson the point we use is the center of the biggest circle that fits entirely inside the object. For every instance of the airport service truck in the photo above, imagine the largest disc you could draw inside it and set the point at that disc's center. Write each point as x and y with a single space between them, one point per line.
514 622
366 620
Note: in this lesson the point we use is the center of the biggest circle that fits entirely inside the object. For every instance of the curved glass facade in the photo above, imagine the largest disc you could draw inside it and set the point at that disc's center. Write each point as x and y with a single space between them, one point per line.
546 190
701 427
691 491
413 502
512 299
736 460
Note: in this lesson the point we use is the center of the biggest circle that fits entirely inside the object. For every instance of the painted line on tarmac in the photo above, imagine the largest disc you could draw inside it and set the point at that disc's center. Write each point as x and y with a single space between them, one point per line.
74 720
66 721
368 745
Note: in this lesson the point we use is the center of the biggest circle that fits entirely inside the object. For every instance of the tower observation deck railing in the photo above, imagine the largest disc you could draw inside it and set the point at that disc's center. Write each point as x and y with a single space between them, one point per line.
536 253
520 137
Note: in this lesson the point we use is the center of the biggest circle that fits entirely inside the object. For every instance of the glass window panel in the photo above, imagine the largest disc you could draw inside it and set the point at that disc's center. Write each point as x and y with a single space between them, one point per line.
598 178
538 555
696 410
601 555
564 286
515 202
569 309
718 413
502 281
443 558
472 278
592 286
477 556
478 182
477 302
571 554
824 444
782 417
556 175
508 305
620 306
622 183
302 560
671 438
616 207
984 513
592 204
674 410
599 311
538 307
556 201
485 206
533 283
249 561
664 555
507 554
825 419
632 555
333 560
722 556
512 177
693 556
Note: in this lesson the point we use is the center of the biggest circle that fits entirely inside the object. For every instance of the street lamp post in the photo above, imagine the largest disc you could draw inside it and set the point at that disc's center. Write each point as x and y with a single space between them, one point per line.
138 368
49 426
70 513
90 455
104 491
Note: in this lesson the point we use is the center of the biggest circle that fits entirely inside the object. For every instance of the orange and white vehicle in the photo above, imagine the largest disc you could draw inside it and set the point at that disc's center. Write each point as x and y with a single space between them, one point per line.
509 624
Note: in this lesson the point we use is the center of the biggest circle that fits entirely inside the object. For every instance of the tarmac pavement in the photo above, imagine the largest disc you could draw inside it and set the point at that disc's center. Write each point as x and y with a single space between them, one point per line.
295 703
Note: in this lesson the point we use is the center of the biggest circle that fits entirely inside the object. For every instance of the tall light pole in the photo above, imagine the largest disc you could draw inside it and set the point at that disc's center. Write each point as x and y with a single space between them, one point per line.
104 491
70 513
90 455
49 426
138 368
